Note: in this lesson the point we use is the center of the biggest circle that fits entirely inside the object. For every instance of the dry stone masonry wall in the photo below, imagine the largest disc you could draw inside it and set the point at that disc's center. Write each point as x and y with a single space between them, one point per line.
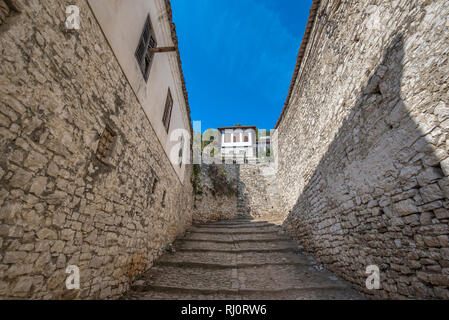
6 10
215 187
363 145
111 210
362 168
258 191
227 191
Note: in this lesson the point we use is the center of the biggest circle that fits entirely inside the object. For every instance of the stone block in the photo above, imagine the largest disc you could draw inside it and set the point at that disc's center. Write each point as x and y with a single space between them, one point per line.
47 234
20 179
14 257
431 193
405 207
442 213
35 161
426 218
38 185
23 286
429 175
445 253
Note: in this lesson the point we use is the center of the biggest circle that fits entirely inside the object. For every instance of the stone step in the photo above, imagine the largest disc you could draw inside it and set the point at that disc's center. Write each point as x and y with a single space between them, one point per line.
229 259
231 222
234 226
188 278
234 237
241 251
238 260
228 280
236 230
173 293
184 264
233 246
236 241
233 232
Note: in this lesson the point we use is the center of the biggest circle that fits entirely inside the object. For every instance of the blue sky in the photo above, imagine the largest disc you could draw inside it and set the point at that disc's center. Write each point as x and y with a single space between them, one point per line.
238 57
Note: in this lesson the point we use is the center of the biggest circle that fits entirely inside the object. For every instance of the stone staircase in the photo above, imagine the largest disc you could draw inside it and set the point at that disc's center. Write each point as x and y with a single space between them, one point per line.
238 259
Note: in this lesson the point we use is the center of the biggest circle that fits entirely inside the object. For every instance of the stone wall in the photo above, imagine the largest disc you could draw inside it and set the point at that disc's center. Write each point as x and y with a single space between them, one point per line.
363 145
215 188
228 191
62 202
259 195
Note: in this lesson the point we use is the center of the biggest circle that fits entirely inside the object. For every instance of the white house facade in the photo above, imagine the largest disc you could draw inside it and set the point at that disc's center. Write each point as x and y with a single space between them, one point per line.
238 143
264 145
143 39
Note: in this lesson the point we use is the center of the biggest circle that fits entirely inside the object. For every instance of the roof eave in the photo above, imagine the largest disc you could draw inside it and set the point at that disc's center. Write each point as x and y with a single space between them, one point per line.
300 56
175 43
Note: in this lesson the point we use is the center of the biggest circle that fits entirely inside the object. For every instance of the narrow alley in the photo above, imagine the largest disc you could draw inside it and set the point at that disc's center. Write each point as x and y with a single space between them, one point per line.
238 259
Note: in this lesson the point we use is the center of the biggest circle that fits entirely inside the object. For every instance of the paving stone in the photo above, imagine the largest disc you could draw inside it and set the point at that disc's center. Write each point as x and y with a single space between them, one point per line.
232 265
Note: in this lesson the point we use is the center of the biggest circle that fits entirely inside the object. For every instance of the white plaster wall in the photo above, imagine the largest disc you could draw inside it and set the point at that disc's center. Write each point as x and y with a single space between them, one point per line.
251 140
122 25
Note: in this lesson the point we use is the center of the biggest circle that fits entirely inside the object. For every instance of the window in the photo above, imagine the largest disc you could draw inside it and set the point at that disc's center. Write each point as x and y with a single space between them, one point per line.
164 195
227 137
245 137
106 143
167 111
144 55
236 137
153 189
181 149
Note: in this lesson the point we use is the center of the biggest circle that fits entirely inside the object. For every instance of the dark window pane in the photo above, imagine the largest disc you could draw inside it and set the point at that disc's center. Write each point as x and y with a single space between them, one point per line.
167 111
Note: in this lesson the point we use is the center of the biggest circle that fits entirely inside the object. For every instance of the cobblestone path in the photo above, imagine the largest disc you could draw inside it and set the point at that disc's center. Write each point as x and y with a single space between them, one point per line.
238 259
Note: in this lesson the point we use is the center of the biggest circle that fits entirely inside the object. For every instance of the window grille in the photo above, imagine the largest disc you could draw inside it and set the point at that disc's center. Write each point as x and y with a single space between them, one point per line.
106 143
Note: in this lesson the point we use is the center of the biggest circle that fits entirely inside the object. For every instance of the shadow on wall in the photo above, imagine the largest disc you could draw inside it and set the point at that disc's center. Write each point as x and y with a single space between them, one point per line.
378 196
258 192
229 191
216 192
243 208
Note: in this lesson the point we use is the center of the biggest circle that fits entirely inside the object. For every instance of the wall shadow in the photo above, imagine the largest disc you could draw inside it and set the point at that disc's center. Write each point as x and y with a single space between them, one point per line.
243 208
375 194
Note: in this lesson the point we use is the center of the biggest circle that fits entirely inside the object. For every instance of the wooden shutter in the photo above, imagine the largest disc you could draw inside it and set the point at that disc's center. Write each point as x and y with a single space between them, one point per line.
167 111
143 54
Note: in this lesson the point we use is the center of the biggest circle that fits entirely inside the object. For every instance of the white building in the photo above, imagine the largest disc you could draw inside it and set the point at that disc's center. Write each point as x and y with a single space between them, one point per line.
264 146
238 143
143 38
